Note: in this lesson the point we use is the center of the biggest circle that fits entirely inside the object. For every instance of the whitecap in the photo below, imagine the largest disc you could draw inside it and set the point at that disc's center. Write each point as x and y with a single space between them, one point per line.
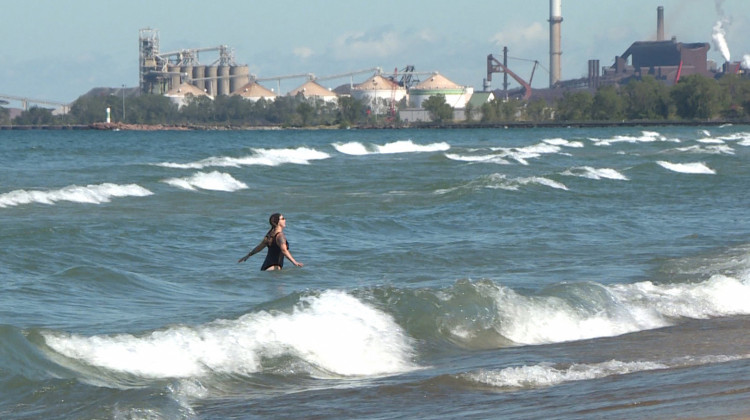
90 194
215 181
687 168
408 146
351 148
645 137
263 157
478 158
332 334
595 173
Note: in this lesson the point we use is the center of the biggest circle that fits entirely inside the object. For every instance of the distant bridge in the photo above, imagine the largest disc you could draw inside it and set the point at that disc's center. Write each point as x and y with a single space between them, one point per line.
63 107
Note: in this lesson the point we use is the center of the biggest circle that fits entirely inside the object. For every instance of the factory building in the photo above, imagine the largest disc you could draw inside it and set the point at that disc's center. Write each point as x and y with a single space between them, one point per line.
182 93
378 93
312 89
665 60
255 92
437 84
161 72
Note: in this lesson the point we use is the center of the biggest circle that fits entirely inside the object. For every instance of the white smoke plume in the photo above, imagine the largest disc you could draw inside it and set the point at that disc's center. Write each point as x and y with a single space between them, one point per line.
719 41
719 32
746 62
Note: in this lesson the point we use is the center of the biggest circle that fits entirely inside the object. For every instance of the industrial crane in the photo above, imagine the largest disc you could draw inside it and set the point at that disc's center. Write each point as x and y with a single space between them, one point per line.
495 66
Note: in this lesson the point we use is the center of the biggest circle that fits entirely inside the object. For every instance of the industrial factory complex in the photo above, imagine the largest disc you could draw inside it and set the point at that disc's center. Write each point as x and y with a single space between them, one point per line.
181 74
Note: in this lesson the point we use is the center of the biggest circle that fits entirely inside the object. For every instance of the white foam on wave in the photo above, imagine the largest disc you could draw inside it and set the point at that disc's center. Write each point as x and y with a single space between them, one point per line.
90 194
742 139
504 155
687 168
501 181
546 375
264 157
401 146
563 142
645 137
215 181
710 140
720 295
352 148
630 307
595 173
522 154
478 158
333 333
713 149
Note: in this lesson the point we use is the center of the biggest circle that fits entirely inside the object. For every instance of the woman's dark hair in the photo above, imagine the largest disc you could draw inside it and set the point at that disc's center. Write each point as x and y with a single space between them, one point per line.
274 221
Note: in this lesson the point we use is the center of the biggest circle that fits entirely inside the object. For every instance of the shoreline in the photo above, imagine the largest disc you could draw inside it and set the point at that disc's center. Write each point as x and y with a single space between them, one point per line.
451 126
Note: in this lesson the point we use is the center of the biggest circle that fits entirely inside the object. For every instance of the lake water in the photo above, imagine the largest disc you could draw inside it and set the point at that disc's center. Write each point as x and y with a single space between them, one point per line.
491 273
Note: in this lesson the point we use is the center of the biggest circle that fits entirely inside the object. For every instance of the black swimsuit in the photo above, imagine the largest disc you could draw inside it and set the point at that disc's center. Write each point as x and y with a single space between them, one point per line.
274 256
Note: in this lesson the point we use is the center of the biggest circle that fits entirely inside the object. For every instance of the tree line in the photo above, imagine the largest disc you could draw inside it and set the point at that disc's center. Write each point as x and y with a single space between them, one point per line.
694 98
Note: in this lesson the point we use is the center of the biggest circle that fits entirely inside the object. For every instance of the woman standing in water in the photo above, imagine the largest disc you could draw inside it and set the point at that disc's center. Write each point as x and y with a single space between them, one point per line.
278 247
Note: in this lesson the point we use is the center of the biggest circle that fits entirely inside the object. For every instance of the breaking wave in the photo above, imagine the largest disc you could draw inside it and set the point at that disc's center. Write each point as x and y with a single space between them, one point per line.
265 157
687 168
215 181
401 146
90 194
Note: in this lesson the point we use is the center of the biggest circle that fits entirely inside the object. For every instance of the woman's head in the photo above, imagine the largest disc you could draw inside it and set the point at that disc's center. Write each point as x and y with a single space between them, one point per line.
274 219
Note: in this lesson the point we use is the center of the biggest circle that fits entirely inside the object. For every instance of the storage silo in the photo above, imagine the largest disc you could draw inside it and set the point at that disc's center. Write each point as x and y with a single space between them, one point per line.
187 72
313 90
455 95
212 84
377 93
255 92
182 93
224 80
174 75
199 72
240 77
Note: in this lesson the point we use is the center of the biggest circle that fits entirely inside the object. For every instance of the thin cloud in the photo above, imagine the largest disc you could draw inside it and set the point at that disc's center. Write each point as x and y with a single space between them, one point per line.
521 37
380 43
303 52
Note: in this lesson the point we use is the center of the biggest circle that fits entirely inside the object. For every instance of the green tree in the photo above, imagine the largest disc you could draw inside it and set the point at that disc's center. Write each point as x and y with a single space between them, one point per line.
491 111
646 99
696 97
735 93
574 106
537 110
305 111
439 110
36 116
153 109
350 110
4 113
232 109
469 112
607 105
89 109
509 109
198 109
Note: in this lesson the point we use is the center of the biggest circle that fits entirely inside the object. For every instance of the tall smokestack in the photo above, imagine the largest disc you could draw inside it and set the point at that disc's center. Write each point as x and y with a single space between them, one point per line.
555 41
660 23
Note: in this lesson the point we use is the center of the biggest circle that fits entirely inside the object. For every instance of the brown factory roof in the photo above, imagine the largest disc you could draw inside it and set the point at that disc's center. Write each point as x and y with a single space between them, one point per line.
376 82
254 90
437 81
185 89
312 89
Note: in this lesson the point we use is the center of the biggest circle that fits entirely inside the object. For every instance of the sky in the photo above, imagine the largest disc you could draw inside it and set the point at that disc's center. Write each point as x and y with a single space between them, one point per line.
59 50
